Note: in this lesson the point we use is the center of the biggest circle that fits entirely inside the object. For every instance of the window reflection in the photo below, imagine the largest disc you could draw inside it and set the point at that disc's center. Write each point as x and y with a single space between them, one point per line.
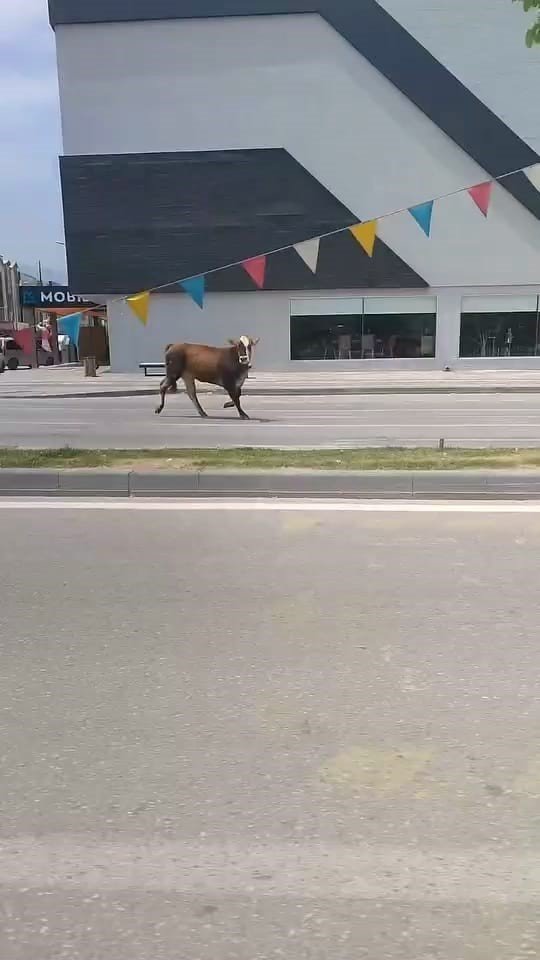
499 332
379 328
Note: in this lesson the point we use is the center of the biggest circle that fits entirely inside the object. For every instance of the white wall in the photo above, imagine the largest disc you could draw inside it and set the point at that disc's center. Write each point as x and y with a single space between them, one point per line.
266 315
294 82
482 42
174 318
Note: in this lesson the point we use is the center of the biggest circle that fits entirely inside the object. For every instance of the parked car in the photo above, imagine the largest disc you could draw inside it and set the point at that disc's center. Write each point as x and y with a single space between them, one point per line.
14 356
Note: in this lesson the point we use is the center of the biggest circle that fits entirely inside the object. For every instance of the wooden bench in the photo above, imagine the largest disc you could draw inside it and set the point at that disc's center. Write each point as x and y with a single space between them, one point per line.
159 369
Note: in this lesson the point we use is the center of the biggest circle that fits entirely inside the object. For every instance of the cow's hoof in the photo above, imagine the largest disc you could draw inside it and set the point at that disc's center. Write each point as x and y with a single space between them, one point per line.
157 410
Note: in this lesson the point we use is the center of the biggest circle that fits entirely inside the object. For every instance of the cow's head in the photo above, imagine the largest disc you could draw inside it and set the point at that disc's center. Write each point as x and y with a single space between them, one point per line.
245 346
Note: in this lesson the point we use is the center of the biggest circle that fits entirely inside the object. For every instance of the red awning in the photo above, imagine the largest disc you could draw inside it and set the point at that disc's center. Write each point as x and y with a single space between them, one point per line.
67 311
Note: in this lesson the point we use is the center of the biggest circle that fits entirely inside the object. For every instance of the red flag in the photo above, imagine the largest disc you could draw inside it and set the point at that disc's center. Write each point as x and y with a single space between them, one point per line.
481 194
256 268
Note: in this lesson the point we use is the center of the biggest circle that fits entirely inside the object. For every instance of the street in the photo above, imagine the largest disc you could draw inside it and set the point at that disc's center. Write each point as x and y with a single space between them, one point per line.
244 734
473 420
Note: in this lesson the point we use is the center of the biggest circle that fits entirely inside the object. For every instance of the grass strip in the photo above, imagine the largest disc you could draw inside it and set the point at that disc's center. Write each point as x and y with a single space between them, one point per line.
246 458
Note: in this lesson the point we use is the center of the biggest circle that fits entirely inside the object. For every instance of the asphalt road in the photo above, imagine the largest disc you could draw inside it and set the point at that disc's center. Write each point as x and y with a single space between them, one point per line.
285 734
421 419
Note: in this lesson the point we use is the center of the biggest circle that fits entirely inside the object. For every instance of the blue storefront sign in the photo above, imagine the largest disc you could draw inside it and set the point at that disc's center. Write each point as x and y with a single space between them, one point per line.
51 296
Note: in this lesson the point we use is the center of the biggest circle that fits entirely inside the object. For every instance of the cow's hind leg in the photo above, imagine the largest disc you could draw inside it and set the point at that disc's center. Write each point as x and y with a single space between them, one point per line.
191 391
167 385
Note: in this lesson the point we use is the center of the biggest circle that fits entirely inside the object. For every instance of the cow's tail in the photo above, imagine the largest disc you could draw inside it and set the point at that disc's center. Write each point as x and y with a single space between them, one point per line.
174 368
174 365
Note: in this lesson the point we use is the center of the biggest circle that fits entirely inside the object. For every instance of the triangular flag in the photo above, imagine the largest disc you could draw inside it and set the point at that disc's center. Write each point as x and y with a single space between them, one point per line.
422 213
140 305
533 174
364 234
309 251
70 326
195 286
481 194
256 268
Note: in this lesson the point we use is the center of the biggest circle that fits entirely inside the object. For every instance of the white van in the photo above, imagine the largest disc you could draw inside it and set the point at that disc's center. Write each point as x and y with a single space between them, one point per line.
14 356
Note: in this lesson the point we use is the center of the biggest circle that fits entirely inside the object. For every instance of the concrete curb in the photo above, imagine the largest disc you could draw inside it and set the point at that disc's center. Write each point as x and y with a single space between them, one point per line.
380 485
286 392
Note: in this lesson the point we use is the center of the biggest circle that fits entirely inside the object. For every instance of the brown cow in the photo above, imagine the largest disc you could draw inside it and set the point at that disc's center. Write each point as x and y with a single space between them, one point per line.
227 367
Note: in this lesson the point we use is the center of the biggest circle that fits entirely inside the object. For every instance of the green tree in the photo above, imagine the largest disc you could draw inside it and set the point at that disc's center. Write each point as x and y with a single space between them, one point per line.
533 33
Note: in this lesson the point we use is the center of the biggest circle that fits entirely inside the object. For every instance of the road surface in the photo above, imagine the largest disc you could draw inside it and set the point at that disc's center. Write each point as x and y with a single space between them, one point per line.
233 734
339 421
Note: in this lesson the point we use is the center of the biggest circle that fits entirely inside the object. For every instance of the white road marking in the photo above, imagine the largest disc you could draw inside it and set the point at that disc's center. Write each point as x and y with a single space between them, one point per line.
348 421
32 422
276 505
306 870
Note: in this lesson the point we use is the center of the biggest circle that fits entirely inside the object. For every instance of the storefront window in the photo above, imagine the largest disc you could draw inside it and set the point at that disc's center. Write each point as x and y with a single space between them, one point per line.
396 327
367 328
500 327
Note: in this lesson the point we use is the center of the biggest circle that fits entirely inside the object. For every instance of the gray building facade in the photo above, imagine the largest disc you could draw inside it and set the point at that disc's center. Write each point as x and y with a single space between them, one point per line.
10 310
218 131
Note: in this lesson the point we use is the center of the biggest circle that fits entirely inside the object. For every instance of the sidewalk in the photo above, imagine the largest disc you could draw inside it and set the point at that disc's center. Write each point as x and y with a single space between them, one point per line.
50 382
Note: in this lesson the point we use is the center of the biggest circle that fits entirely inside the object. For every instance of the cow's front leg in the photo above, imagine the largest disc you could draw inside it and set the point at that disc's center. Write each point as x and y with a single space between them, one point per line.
239 384
235 393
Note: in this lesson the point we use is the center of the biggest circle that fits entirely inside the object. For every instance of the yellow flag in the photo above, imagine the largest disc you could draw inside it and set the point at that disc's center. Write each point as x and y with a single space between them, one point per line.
364 234
140 304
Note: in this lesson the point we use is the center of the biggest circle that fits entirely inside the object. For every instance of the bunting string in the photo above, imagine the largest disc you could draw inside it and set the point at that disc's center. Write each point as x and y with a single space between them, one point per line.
365 233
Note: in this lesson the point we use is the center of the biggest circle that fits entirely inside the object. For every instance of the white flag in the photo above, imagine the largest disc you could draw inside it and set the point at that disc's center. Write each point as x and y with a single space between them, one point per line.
533 173
309 251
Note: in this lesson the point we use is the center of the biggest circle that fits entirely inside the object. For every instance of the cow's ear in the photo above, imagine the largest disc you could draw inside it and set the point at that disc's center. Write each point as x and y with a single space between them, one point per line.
255 342
233 343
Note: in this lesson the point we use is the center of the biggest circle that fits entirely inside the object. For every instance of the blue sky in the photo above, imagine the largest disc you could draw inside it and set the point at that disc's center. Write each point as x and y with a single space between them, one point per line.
30 204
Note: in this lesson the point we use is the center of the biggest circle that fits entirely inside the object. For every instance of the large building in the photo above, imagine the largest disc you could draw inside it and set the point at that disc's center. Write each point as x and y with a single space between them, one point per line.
200 133
10 310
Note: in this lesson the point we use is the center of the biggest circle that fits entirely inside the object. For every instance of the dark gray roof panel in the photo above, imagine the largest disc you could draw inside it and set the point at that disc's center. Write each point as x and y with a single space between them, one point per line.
134 221
109 11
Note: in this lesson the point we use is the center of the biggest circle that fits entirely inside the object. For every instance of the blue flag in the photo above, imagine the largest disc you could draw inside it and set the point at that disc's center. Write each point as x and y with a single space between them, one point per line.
195 286
70 327
422 214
